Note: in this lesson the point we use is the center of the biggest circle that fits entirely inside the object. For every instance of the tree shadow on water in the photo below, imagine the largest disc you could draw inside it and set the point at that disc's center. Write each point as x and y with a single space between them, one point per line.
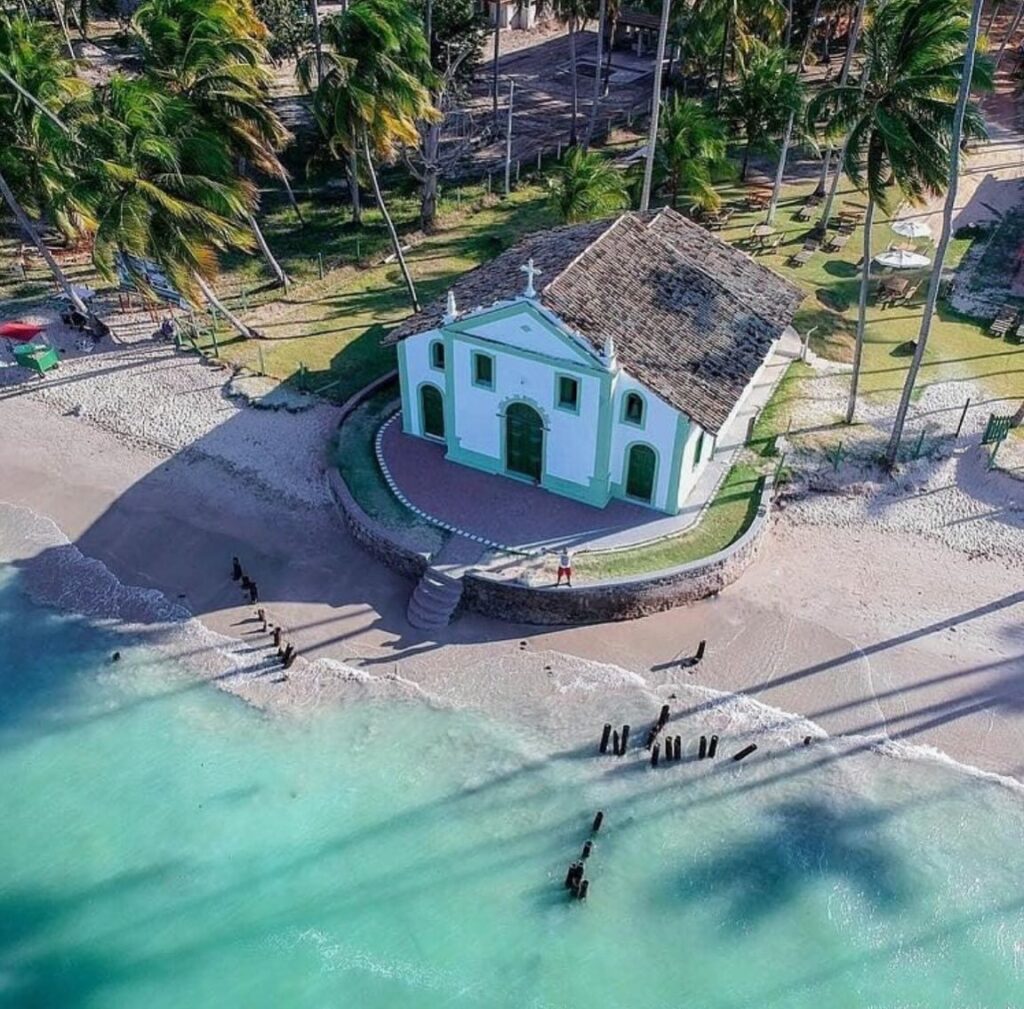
802 842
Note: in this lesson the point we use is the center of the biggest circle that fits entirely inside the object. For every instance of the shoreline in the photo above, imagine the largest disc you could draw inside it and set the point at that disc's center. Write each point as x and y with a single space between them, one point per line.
841 625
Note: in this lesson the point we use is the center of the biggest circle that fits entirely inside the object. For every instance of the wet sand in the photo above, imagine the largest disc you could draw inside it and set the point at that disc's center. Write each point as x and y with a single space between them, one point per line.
860 630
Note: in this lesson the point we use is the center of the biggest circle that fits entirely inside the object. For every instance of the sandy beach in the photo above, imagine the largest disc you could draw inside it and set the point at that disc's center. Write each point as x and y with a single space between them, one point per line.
848 618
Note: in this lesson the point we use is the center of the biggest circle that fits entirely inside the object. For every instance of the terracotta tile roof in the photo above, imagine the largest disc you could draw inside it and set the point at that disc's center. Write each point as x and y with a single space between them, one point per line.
692 318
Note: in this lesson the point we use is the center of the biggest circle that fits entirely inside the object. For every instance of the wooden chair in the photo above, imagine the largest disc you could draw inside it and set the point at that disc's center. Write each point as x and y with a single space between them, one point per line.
838 242
804 255
1005 320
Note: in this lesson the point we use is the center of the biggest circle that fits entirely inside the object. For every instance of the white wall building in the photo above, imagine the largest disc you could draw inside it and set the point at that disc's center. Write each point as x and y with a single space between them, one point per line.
598 361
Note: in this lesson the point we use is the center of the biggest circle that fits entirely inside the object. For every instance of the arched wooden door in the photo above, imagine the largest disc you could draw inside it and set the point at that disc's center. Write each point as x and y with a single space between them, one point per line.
432 411
640 472
524 441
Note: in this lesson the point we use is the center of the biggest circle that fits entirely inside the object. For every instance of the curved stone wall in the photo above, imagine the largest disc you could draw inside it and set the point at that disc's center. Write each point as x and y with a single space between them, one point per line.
593 602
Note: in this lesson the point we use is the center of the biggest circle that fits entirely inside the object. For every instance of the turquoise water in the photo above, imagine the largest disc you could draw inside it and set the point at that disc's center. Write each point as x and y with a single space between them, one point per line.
162 845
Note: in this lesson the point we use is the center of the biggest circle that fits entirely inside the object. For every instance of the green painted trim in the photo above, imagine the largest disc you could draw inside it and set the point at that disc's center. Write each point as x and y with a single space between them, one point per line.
603 450
676 473
437 341
559 405
586 352
640 425
592 494
449 393
403 385
425 384
494 347
619 489
503 437
474 356
475 460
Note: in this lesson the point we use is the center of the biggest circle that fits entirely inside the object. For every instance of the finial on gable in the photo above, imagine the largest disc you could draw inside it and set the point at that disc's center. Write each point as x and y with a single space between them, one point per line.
610 359
531 271
451 312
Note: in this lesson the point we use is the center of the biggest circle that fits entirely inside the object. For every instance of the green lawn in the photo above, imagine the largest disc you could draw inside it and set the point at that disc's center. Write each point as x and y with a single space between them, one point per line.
726 519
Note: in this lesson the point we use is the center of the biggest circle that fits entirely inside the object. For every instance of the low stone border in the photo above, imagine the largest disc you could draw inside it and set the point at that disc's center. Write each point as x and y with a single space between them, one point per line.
612 599
619 598
378 449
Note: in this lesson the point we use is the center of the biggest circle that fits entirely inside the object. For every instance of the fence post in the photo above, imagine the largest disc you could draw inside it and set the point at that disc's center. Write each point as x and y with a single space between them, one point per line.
259 351
963 416
920 443
320 264
539 152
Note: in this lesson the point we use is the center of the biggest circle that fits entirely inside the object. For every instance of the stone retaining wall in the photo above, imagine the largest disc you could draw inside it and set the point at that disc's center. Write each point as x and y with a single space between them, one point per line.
377 539
620 598
593 602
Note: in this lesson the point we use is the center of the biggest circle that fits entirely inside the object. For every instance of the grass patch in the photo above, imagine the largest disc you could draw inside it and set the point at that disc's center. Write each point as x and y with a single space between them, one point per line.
726 519
357 462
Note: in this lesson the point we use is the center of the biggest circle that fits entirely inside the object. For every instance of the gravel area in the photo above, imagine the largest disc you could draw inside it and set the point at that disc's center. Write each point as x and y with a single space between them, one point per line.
147 393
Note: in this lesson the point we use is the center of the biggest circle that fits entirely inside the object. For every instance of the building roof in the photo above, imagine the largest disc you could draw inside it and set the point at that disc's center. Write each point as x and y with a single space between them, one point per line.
692 318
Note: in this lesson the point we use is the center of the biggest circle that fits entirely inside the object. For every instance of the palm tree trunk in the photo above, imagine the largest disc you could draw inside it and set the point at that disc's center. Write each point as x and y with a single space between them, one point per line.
788 36
963 97
992 18
33 236
652 132
318 45
807 39
1010 33
1018 417
595 101
843 76
780 169
353 187
275 267
212 298
64 27
575 81
428 191
608 58
862 309
390 225
721 62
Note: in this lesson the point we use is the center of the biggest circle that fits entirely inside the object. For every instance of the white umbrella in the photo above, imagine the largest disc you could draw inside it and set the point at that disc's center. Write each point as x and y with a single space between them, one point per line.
912 229
900 260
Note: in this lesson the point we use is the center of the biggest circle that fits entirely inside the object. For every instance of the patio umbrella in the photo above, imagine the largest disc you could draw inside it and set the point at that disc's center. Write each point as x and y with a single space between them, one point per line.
912 229
20 332
897 259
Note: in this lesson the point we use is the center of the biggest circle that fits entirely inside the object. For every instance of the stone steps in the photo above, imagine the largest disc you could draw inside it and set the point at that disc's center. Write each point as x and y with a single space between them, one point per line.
434 600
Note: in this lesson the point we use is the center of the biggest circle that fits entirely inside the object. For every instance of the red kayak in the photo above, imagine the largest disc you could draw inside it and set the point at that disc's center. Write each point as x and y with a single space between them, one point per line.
23 332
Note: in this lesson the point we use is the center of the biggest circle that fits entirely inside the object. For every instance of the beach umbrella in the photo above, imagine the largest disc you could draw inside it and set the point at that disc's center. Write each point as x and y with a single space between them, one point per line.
898 259
912 229
20 332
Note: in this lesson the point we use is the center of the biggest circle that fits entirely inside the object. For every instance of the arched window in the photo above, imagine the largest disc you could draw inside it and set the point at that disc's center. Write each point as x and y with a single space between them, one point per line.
633 409
437 354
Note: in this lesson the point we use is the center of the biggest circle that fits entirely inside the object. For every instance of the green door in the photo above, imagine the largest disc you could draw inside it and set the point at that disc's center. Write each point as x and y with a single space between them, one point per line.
640 475
432 404
524 440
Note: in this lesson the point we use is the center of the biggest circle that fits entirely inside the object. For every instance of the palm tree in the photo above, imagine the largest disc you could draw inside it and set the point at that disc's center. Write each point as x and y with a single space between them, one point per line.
763 98
652 129
574 13
213 55
376 89
37 87
1018 418
967 78
691 144
898 118
160 185
586 186
595 101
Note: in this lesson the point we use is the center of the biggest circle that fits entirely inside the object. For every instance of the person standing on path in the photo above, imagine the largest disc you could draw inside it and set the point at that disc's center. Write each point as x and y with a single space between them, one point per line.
564 568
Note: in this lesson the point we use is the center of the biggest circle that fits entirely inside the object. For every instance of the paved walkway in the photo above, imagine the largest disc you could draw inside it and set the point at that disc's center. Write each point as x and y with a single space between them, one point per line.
502 512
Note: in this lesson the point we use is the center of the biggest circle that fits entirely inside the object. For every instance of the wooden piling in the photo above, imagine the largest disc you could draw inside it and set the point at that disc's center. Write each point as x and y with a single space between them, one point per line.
702 749
584 889
598 820
655 753
678 747
745 752
588 847
663 717
606 733
615 743
713 747
625 739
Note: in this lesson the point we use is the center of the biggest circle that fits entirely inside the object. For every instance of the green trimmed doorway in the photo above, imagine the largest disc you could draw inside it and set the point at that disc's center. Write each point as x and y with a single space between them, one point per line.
640 473
524 441
432 411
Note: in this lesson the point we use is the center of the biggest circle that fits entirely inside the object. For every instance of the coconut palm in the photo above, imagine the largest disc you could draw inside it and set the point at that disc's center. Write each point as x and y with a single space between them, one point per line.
691 145
960 114
652 128
37 88
1018 418
586 186
763 98
898 116
595 100
160 185
575 14
376 88
212 54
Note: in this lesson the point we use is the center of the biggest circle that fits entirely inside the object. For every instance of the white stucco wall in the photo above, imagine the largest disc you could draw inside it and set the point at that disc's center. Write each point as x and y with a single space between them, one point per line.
570 439
691 468
416 350
658 431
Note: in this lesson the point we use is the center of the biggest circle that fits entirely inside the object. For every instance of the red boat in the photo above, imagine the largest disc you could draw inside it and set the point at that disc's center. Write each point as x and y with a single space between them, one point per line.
21 332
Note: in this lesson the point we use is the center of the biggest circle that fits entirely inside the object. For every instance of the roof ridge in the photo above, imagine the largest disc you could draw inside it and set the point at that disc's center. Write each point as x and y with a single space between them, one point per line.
579 255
